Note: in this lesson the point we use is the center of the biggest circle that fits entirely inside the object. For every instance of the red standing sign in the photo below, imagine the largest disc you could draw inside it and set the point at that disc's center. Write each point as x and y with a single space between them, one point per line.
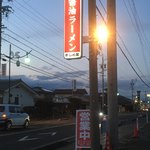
83 138
72 29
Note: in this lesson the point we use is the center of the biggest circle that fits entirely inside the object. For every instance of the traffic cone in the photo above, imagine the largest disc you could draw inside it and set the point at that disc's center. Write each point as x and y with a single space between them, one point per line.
136 129
108 145
135 132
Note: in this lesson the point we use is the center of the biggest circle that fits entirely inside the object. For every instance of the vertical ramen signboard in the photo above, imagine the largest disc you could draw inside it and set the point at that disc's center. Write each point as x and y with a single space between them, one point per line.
83 138
72 29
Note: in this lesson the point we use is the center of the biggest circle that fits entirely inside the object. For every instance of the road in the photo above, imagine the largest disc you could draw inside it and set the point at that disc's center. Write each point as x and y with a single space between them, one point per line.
45 134
34 137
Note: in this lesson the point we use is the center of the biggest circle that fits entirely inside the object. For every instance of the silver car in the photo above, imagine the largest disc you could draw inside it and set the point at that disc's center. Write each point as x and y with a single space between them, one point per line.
13 115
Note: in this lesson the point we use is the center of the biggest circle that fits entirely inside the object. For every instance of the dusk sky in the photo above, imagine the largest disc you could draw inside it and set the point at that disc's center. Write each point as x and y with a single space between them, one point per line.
37 26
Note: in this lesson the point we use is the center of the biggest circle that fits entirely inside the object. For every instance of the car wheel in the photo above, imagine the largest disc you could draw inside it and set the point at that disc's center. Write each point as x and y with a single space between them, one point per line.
8 125
26 124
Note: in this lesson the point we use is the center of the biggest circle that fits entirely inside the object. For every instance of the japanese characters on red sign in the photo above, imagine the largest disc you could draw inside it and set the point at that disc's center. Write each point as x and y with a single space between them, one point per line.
72 29
83 138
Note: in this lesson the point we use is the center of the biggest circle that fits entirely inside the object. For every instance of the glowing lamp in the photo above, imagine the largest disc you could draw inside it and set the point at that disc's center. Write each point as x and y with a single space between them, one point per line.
101 34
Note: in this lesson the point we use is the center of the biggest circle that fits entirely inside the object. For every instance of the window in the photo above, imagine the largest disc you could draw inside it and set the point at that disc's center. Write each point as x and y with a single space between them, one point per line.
2 108
1 100
17 109
12 109
16 100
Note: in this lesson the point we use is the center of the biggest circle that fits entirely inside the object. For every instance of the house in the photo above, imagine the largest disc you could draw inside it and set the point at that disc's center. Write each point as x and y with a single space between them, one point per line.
124 104
16 92
43 94
67 101
63 95
43 102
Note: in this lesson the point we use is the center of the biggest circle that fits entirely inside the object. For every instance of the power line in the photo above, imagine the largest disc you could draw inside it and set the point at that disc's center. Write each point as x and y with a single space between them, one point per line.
132 66
36 18
122 49
43 51
46 20
136 22
43 72
79 76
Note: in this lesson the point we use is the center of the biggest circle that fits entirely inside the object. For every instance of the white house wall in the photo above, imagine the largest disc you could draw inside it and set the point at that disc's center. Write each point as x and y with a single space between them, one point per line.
25 97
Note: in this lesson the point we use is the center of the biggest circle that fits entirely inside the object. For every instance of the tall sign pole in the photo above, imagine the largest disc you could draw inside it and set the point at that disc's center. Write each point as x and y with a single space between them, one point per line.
94 106
112 74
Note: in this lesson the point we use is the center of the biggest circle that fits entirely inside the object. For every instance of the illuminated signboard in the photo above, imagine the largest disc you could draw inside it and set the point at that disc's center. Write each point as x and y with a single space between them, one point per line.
72 29
83 138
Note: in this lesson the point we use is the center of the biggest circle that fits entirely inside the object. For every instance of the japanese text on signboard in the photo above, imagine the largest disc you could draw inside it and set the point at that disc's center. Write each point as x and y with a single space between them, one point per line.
72 29
83 139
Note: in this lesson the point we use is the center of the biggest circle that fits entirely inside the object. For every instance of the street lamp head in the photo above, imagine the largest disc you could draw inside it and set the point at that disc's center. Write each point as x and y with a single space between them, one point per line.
27 60
101 34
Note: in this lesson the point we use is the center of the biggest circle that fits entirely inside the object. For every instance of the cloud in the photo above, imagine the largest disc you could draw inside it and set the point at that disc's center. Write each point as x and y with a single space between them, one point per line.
47 82
124 86
46 68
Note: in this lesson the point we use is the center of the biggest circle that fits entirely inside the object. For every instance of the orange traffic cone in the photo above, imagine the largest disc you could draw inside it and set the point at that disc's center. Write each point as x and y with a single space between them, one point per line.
136 129
108 145
135 132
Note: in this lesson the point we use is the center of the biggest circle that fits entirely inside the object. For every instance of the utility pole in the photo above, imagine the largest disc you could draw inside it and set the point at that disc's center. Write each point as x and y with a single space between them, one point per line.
103 70
132 83
9 95
94 107
102 67
138 100
4 10
0 36
132 89
112 75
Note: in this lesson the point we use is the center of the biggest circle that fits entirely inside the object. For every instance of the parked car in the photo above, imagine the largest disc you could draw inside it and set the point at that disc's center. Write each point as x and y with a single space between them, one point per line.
13 115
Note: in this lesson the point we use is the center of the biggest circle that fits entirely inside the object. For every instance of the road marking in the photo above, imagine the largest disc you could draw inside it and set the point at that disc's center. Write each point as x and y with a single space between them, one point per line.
27 139
45 133
53 133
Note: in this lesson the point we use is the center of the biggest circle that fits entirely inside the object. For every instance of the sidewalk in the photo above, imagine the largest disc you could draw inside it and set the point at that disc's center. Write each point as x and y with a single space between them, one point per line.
140 143
53 121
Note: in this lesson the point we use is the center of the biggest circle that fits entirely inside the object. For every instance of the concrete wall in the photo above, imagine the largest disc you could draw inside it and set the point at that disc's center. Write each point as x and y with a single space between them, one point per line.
24 96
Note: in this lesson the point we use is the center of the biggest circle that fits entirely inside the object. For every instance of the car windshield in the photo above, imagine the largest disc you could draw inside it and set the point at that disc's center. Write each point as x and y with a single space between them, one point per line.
2 108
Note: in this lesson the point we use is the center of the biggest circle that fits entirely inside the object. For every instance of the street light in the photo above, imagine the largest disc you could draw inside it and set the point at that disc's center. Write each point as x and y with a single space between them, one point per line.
101 33
27 59
13 56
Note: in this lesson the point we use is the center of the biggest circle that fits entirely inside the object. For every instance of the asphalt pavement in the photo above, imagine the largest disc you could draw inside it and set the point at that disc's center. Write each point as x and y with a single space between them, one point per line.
141 142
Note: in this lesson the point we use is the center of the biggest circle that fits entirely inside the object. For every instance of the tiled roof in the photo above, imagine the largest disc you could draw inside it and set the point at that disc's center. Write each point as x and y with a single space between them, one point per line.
42 90
4 83
70 91
124 100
